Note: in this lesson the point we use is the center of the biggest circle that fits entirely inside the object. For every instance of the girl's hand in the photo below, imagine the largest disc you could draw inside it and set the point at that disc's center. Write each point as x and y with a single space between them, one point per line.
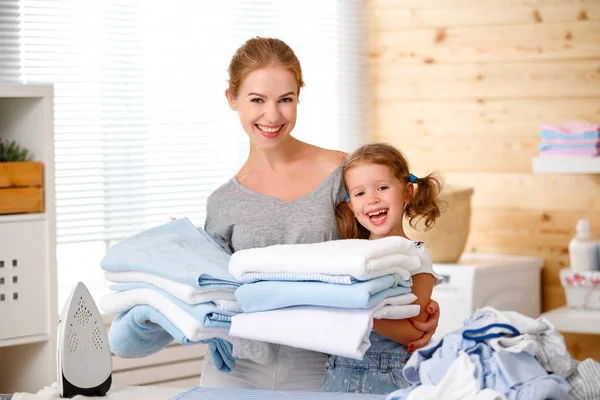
428 326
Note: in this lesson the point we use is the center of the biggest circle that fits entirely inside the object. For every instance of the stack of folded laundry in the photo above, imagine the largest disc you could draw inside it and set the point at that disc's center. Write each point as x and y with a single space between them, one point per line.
323 296
572 139
171 282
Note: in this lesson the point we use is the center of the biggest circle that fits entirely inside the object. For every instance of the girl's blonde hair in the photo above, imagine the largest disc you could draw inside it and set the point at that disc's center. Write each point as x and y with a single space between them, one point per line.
424 204
261 52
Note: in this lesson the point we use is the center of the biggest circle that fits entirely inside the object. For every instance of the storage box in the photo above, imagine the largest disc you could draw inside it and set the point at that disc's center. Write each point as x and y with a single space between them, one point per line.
447 239
478 280
21 187
582 289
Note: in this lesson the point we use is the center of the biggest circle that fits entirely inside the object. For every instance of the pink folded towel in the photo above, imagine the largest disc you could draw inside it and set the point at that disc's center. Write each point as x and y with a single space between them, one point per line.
571 127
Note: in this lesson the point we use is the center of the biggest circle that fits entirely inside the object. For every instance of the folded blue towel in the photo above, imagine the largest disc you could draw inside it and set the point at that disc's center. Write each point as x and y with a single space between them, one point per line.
198 393
270 295
176 250
207 313
131 336
570 146
570 136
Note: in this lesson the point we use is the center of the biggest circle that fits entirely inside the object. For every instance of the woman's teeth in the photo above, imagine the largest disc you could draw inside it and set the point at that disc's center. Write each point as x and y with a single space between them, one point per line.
269 129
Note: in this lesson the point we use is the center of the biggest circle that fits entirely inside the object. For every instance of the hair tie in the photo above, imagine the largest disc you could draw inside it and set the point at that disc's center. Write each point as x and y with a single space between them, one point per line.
347 198
412 178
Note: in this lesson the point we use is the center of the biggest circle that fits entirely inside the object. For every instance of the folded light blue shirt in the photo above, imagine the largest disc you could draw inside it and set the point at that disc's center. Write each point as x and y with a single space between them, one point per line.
578 136
176 250
207 313
570 146
131 336
270 295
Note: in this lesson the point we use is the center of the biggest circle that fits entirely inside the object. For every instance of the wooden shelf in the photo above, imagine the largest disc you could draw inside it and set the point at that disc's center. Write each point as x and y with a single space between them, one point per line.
566 165
574 320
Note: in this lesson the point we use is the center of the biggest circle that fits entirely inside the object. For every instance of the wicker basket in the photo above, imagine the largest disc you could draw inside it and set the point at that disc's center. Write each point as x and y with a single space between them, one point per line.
447 239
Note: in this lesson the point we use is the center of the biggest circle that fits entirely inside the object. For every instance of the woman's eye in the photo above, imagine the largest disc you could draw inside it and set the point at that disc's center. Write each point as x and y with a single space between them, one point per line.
257 100
286 100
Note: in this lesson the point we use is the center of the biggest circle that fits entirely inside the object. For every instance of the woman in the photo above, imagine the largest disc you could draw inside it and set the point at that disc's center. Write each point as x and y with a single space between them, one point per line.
285 192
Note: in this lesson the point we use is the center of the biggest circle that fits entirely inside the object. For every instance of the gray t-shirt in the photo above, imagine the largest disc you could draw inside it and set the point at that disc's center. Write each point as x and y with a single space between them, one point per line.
239 218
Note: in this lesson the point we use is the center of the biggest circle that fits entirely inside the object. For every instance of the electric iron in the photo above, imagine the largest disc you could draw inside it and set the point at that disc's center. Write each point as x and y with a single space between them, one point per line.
82 352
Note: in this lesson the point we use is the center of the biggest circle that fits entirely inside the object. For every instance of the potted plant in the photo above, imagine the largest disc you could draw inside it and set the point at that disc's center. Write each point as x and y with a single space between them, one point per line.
20 180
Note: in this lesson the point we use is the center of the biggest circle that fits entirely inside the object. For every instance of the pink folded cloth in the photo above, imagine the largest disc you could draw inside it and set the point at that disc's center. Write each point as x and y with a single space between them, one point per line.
571 127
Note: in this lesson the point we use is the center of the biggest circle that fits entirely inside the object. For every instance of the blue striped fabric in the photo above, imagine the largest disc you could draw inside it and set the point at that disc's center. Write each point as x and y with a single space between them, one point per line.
198 393
251 277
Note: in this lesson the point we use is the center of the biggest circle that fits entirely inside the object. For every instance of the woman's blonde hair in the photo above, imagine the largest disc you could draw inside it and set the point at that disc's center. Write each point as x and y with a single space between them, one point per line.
261 52
424 204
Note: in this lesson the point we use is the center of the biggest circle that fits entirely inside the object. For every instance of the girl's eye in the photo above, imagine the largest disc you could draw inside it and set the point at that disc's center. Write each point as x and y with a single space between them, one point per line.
358 194
286 100
257 100
382 187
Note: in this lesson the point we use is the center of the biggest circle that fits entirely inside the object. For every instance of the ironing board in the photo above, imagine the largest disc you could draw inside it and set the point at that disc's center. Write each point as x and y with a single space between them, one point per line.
197 393
115 393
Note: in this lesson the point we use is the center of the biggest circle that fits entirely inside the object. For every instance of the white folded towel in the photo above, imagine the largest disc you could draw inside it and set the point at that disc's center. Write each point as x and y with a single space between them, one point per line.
342 332
118 302
189 294
397 307
361 259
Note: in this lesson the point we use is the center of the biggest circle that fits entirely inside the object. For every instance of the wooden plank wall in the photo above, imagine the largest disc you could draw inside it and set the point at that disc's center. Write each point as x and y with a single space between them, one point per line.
461 86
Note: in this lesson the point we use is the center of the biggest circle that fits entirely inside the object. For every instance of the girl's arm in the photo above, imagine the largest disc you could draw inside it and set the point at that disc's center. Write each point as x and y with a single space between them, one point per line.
401 330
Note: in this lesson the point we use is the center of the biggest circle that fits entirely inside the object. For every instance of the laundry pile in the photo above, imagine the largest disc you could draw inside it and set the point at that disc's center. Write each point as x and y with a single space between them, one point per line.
171 282
572 139
498 356
324 296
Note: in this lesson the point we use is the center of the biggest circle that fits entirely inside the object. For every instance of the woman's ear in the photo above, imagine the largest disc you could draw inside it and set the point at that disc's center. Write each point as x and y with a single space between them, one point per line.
232 102
409 192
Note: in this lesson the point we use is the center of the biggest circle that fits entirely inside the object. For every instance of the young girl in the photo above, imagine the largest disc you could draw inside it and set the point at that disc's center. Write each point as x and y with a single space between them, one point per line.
381 192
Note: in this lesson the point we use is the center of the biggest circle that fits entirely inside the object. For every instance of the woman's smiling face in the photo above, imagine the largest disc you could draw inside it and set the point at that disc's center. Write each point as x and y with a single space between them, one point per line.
267 104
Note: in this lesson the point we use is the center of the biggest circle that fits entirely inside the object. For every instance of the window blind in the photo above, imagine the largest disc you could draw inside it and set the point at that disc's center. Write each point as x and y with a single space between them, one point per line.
9 40
143 131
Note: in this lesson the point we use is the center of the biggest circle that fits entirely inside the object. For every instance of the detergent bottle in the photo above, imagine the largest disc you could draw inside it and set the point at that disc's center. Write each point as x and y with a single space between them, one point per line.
584 249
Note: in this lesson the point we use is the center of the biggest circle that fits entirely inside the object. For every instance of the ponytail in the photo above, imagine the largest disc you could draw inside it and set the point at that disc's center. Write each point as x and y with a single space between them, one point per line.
425 202
348 226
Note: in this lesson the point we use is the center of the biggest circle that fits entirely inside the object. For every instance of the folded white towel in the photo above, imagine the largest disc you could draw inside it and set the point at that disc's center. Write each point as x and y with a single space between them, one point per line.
191 327
397 307
119 302
189 294
343 332
361 259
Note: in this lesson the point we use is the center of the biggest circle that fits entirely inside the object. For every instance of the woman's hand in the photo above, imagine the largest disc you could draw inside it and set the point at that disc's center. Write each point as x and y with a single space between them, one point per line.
428 326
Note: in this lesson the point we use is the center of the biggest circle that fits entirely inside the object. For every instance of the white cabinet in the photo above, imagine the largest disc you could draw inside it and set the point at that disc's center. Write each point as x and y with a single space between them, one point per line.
28 287
23 292
478 280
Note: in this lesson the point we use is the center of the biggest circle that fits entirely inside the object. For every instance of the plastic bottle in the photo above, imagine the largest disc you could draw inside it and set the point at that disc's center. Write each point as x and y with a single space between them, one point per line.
584 252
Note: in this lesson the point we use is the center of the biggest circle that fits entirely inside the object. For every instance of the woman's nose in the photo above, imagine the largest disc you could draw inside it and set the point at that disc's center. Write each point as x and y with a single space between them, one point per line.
272 112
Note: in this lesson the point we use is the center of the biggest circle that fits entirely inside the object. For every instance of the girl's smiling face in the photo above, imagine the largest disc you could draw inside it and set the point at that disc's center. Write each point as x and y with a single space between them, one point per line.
377 199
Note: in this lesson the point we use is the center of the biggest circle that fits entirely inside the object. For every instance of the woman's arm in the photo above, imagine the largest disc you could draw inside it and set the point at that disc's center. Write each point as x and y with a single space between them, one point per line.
401 330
